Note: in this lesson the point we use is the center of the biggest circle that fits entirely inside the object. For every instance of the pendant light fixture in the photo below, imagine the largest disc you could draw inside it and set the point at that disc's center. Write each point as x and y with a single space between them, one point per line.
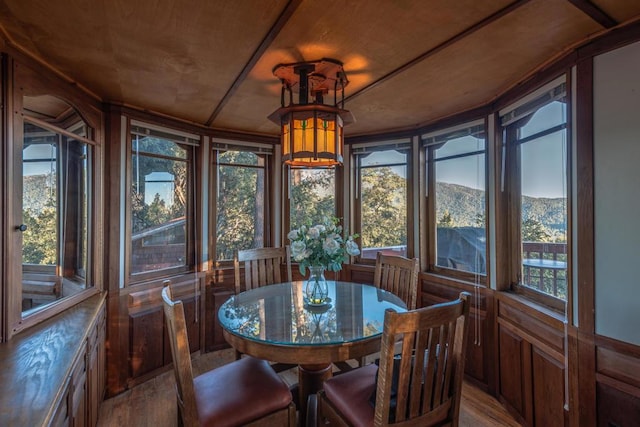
311 131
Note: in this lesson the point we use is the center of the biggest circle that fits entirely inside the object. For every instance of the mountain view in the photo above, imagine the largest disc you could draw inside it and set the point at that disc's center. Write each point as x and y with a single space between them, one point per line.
463 204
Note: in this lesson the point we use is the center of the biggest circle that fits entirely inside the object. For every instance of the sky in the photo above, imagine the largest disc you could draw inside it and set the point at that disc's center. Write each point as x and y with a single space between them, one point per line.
543 160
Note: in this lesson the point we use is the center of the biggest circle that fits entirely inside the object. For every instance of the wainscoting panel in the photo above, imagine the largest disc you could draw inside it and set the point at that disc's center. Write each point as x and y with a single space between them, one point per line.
617 382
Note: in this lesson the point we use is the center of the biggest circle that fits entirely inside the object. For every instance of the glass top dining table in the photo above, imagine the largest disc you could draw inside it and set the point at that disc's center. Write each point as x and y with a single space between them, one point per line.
275 323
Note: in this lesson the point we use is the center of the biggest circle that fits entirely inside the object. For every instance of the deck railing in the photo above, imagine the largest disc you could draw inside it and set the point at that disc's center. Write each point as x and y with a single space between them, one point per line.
544 267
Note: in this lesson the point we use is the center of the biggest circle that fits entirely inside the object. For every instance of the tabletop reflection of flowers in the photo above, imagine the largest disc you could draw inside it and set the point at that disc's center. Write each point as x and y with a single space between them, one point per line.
321 247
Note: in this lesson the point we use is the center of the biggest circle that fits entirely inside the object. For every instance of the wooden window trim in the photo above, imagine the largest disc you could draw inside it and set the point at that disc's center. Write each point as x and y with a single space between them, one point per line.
25 77
431 218
190 264
213 202
512 177
549 301
409 203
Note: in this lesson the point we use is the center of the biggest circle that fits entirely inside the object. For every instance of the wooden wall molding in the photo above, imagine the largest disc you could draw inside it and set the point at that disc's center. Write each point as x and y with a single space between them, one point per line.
436 288
618 360
617 382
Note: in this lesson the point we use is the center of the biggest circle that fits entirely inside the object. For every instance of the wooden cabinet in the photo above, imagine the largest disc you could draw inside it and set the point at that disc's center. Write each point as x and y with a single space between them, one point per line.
61 413
84 390
531 363
96 369
78 394
53 373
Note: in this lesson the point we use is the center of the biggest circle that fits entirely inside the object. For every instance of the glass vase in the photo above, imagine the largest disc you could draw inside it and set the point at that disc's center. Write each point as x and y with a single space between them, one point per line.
316 289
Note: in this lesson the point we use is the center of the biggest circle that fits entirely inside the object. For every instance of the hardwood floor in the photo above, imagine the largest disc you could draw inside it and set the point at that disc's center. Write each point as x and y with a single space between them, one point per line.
153 403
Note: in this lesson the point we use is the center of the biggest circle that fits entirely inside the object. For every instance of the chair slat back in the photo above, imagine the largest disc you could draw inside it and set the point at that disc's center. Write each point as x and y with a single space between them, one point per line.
430 368
398 275
178 339
262 267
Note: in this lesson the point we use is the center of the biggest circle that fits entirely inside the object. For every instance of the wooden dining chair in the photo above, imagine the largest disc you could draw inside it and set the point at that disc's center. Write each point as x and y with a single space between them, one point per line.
262 266
395 274
398 275
420 386
245 392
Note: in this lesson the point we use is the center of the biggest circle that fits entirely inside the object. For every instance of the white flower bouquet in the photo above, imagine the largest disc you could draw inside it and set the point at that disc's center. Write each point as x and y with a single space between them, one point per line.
322 245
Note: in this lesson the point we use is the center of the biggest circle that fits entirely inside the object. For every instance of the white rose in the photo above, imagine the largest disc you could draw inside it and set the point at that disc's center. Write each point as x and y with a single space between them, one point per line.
330 246
321 228
293 235
352 247
298 251
334 236
313 232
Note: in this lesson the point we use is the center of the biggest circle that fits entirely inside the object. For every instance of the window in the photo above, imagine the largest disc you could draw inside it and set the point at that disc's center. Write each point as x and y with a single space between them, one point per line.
56 181
40 201
312 195
382 194
161 203
535 136
456 199
241 198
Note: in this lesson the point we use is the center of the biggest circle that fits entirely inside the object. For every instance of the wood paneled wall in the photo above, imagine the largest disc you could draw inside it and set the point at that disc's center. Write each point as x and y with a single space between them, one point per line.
617 382
531 359
148 345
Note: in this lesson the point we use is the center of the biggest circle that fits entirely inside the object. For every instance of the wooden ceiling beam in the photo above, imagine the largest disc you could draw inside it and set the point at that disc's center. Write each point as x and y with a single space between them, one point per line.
499 14
273 32
594 12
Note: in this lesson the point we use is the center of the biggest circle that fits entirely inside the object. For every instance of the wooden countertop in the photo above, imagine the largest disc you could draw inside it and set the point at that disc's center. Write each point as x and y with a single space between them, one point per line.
35 365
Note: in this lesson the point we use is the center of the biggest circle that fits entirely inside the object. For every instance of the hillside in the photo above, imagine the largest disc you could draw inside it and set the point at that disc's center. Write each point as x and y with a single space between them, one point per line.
464 203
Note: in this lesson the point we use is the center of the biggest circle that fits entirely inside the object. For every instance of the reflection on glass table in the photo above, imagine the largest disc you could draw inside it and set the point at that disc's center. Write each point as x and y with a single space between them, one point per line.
275 323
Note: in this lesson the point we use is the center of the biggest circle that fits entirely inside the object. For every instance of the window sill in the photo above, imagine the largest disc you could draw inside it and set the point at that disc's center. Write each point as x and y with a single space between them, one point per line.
529 306
445 278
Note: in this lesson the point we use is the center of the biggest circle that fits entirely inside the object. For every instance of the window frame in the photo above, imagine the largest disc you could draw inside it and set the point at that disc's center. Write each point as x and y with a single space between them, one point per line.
428 150
29 81
191 148
357 152
510 146
69 228
286 194
261 150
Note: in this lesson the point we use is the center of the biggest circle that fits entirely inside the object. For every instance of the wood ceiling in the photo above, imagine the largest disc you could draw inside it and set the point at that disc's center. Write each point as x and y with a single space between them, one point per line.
409 62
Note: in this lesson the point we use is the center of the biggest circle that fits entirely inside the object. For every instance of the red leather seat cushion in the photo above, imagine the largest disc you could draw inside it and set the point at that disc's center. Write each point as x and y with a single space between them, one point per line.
239 392
350 392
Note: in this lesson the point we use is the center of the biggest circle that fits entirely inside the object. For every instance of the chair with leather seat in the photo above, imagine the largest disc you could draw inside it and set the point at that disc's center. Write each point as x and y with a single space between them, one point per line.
398 275
245 392
420 386
262 266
